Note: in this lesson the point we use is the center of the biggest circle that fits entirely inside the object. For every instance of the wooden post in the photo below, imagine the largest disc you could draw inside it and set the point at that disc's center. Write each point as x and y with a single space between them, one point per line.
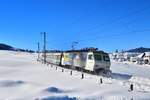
101 80
71 72
82 76
131 87
38 51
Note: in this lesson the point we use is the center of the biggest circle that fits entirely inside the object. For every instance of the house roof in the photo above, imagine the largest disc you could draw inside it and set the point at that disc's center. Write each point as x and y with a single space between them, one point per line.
147 53
141 55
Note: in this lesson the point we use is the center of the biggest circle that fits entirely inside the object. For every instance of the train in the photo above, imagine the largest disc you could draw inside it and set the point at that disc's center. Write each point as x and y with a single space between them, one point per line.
91 61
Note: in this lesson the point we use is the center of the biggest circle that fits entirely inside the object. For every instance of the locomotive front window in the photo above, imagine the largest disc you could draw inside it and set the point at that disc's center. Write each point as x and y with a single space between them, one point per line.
106 58
98 57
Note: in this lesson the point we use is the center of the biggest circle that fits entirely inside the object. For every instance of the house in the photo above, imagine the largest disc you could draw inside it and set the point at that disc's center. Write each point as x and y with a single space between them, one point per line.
146 57
143 58
118 57
137 60
128 55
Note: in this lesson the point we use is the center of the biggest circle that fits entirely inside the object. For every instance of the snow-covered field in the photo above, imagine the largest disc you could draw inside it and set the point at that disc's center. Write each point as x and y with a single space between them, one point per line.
131 69
23 78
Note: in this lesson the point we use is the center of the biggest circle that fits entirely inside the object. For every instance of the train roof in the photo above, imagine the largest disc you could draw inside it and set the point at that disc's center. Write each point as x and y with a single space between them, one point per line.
94 50
54 51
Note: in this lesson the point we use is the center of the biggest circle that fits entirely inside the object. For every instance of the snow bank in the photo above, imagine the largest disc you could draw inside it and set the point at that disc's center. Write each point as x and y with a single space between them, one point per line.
10 83
57 98
120 76
141 84
54 90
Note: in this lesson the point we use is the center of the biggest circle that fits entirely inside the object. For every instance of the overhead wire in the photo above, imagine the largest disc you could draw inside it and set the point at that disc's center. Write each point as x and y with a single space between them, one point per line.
81 18
115 35
109 23
100 37
115 20
110 35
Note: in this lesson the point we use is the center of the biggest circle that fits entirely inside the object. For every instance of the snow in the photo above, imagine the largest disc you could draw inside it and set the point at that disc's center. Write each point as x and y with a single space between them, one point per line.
140 56
147 53
57 98
23 78
8 83
131 69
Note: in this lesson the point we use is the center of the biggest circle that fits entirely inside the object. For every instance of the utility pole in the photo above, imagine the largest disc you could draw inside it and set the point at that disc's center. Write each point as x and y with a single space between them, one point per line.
73 45
38 51
44 47
73 48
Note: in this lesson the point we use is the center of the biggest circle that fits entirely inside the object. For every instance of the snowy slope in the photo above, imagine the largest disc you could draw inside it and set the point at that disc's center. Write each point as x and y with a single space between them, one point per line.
131 69
23 78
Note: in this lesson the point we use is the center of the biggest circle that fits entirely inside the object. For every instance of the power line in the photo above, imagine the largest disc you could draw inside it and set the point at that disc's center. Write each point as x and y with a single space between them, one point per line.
133 21
114 35
111 22
118 19
106 36
89 14
118 34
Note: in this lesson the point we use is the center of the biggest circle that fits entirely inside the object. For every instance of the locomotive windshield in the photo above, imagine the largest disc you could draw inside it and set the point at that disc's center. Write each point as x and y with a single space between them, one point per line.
100 57
106 58
97 56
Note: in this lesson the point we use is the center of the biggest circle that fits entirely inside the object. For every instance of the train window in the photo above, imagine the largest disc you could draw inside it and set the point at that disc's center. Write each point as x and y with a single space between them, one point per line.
98 57
106 58
90 57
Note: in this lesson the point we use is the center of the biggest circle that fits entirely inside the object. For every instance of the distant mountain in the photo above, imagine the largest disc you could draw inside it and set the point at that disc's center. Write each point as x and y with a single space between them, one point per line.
139 50
6 47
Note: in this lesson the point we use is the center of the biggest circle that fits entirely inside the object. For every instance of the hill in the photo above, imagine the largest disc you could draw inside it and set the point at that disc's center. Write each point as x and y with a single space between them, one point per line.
6 47
139 50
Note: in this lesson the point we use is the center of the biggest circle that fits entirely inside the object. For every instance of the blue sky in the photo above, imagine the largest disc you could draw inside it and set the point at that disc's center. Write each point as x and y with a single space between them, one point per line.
105 24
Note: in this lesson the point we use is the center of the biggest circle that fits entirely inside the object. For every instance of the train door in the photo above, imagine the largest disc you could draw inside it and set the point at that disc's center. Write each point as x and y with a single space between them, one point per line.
90 61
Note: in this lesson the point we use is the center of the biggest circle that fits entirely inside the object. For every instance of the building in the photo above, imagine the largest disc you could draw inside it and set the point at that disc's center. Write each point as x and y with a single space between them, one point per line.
146 57
128 55
118 57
